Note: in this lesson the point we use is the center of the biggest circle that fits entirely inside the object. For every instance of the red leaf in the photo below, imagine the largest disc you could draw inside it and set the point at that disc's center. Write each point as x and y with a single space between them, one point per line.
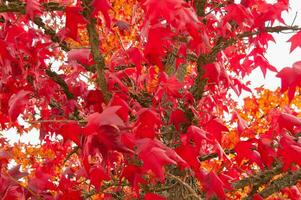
13 193
178 118
124 110
288 121
295 41
103 6
264 64
155 155
81 56
290 79
197 135
148 117
17 104
145 131
246 150
97 174
152 196
216 128
157 43
237 13
289 151
176 12
107 117
266 151
33 8
136 57
241 123
95 100
257 197
71 131
134 175
292 193
73 19
190 154
41 181
214 186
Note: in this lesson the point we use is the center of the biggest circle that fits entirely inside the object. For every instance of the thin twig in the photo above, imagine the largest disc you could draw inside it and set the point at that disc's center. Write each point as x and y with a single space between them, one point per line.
94 43
192 191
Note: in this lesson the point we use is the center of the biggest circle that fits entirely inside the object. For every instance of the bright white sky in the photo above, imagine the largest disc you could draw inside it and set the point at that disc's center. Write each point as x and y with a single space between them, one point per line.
278 55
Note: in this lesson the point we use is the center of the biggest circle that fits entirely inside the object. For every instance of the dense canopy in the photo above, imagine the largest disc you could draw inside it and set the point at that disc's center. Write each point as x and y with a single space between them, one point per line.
133 99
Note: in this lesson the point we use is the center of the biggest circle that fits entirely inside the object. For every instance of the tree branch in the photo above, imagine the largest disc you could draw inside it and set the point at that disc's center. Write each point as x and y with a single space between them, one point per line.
192 191
288 180
97 56
258 179
198 88
56 78
18 6
200 7
50 32
214 155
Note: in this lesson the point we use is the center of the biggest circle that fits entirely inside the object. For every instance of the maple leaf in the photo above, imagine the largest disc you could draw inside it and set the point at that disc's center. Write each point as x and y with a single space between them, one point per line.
104 140
152 196
136 57
241 123
288 121
94 100
13 192
190 154
176 12
134 175
124 110
107 117
289 151
98 174
215 72
157 42
197 134
71 131
17 103
103 6
237 13
269 12
41 181
292 193
257 197
155 155
33 8
266 151
216 128
145 131
290 79
122 26
247 150
148 117
238 86
264 64
73 19
6 57
214 186
295 41
67 189
170 85
178 118
81 56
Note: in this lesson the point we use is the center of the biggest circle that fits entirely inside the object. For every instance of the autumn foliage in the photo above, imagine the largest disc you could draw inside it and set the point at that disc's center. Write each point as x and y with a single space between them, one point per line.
134 100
